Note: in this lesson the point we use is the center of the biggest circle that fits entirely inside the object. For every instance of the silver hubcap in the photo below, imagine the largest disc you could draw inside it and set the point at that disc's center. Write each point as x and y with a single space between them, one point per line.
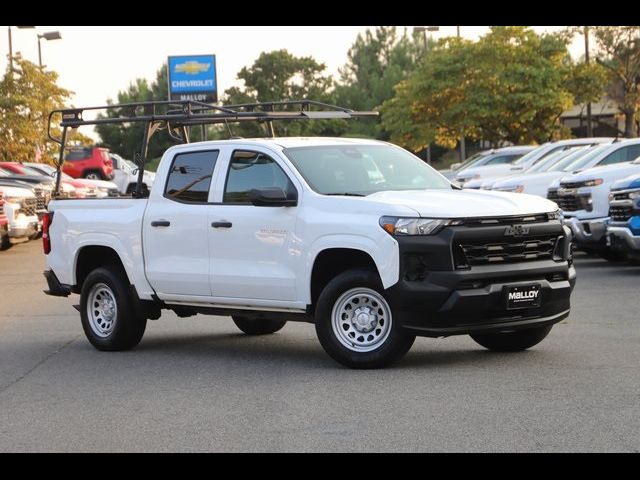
361 319
92 176
102 310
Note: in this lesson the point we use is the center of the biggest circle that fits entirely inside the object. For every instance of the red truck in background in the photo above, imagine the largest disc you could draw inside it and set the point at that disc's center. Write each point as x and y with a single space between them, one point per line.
4 225
88 162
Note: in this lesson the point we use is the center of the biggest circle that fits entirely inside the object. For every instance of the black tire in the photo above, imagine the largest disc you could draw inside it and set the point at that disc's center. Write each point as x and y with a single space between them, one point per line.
394 347
5 242
512 341
258 326
93 175
128 328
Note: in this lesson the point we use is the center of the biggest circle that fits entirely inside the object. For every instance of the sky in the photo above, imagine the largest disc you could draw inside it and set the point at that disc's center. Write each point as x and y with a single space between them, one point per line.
97 62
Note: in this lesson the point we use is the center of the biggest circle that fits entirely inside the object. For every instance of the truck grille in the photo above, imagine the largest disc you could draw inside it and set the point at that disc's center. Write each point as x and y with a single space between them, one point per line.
552 194
620 213
491 221
532 248
42 198
29 206
620 196
569 203
572 184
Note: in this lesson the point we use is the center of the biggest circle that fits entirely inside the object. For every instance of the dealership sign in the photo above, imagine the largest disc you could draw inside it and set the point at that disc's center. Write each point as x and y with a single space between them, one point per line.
193 77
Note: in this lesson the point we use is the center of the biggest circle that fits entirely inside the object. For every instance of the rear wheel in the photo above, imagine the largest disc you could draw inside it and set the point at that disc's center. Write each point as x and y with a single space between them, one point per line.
5 242
512 341
354 322
106 310
258 326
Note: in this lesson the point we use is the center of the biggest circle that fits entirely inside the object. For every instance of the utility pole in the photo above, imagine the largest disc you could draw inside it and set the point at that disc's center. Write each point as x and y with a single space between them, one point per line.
463 152
586 61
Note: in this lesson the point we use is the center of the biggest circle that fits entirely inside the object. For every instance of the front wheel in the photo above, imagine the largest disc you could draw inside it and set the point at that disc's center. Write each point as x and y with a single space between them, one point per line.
258 326
354 322
106 310
512 341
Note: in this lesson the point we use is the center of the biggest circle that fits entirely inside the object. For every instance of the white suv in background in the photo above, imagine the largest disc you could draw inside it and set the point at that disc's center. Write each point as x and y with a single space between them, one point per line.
125 175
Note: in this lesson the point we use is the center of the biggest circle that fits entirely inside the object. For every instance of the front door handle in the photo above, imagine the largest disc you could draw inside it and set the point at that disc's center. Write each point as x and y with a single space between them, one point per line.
160 223
221 224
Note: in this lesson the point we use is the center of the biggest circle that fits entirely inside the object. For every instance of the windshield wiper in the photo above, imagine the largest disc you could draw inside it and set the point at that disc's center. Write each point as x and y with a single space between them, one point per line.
346 194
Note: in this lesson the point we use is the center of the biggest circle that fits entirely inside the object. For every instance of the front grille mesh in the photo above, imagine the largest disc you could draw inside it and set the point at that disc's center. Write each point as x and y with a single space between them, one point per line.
29 206
620 213
552 194
569 203
531 248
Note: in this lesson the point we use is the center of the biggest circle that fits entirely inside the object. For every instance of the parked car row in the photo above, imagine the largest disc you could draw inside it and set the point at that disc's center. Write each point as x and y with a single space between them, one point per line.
594 181
26 188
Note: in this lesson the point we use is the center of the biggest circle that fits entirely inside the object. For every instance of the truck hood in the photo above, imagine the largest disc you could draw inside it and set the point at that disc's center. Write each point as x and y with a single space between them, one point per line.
100 183
632 181
515 180
465 203
488 171
607 173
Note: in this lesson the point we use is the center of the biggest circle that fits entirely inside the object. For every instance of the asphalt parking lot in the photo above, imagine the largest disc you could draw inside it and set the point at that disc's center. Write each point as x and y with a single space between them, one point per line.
198 384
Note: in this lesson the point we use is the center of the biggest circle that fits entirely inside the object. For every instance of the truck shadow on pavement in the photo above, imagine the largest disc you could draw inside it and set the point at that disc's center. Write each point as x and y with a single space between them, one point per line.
276 349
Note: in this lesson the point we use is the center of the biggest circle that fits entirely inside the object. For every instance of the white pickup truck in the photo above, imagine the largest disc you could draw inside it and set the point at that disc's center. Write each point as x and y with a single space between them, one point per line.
359 237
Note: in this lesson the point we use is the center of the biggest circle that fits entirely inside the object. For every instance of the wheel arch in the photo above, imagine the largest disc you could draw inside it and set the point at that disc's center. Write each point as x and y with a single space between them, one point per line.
332 256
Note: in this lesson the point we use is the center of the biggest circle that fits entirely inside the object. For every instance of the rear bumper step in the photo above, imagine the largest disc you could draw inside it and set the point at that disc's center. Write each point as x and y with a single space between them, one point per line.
56 289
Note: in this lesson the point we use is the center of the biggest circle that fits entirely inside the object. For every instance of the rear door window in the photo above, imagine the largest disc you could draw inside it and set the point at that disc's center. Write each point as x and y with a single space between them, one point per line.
190 176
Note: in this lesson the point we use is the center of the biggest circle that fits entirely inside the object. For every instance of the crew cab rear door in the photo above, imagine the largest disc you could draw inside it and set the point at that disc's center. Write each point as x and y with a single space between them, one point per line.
176 227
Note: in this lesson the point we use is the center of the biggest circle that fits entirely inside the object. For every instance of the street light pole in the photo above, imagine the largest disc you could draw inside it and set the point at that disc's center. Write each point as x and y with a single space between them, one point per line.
586 61
11 46
463 149
47 36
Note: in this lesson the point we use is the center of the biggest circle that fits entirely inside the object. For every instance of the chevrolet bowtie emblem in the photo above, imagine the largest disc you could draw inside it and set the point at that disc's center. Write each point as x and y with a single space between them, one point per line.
192 67
516 231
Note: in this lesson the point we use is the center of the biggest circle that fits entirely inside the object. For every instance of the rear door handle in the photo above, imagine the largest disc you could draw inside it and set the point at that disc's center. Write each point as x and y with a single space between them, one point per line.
221 224
160 223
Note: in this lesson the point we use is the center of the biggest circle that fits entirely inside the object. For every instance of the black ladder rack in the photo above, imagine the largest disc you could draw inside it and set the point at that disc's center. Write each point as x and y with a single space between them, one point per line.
178 115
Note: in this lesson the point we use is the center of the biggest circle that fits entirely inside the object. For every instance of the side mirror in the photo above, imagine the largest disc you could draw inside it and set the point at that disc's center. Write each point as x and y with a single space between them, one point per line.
272 197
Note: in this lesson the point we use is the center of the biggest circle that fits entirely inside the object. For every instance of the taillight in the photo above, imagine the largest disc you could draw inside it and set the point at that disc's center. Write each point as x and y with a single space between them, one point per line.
46 239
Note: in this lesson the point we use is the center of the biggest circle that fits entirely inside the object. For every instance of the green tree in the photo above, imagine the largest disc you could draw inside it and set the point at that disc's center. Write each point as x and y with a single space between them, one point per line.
512 85
27 95
126 139
377 61
279 75
620 50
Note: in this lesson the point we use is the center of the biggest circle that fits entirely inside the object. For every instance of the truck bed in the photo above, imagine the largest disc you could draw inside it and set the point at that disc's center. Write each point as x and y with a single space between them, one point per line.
114 223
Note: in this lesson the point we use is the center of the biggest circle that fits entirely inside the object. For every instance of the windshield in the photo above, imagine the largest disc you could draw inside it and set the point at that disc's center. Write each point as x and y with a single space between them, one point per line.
363 169
473 159
585 159
556 158
532 154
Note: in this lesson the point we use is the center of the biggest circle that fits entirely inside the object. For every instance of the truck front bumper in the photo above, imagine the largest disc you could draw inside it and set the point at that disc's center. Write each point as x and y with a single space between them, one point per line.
22 230
621 238
438 295
588 233
454 303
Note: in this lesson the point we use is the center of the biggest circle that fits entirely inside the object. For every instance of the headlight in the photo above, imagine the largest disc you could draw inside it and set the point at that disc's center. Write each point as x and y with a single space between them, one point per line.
512 189
12 199
634 195
415 226
557 215
592 183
